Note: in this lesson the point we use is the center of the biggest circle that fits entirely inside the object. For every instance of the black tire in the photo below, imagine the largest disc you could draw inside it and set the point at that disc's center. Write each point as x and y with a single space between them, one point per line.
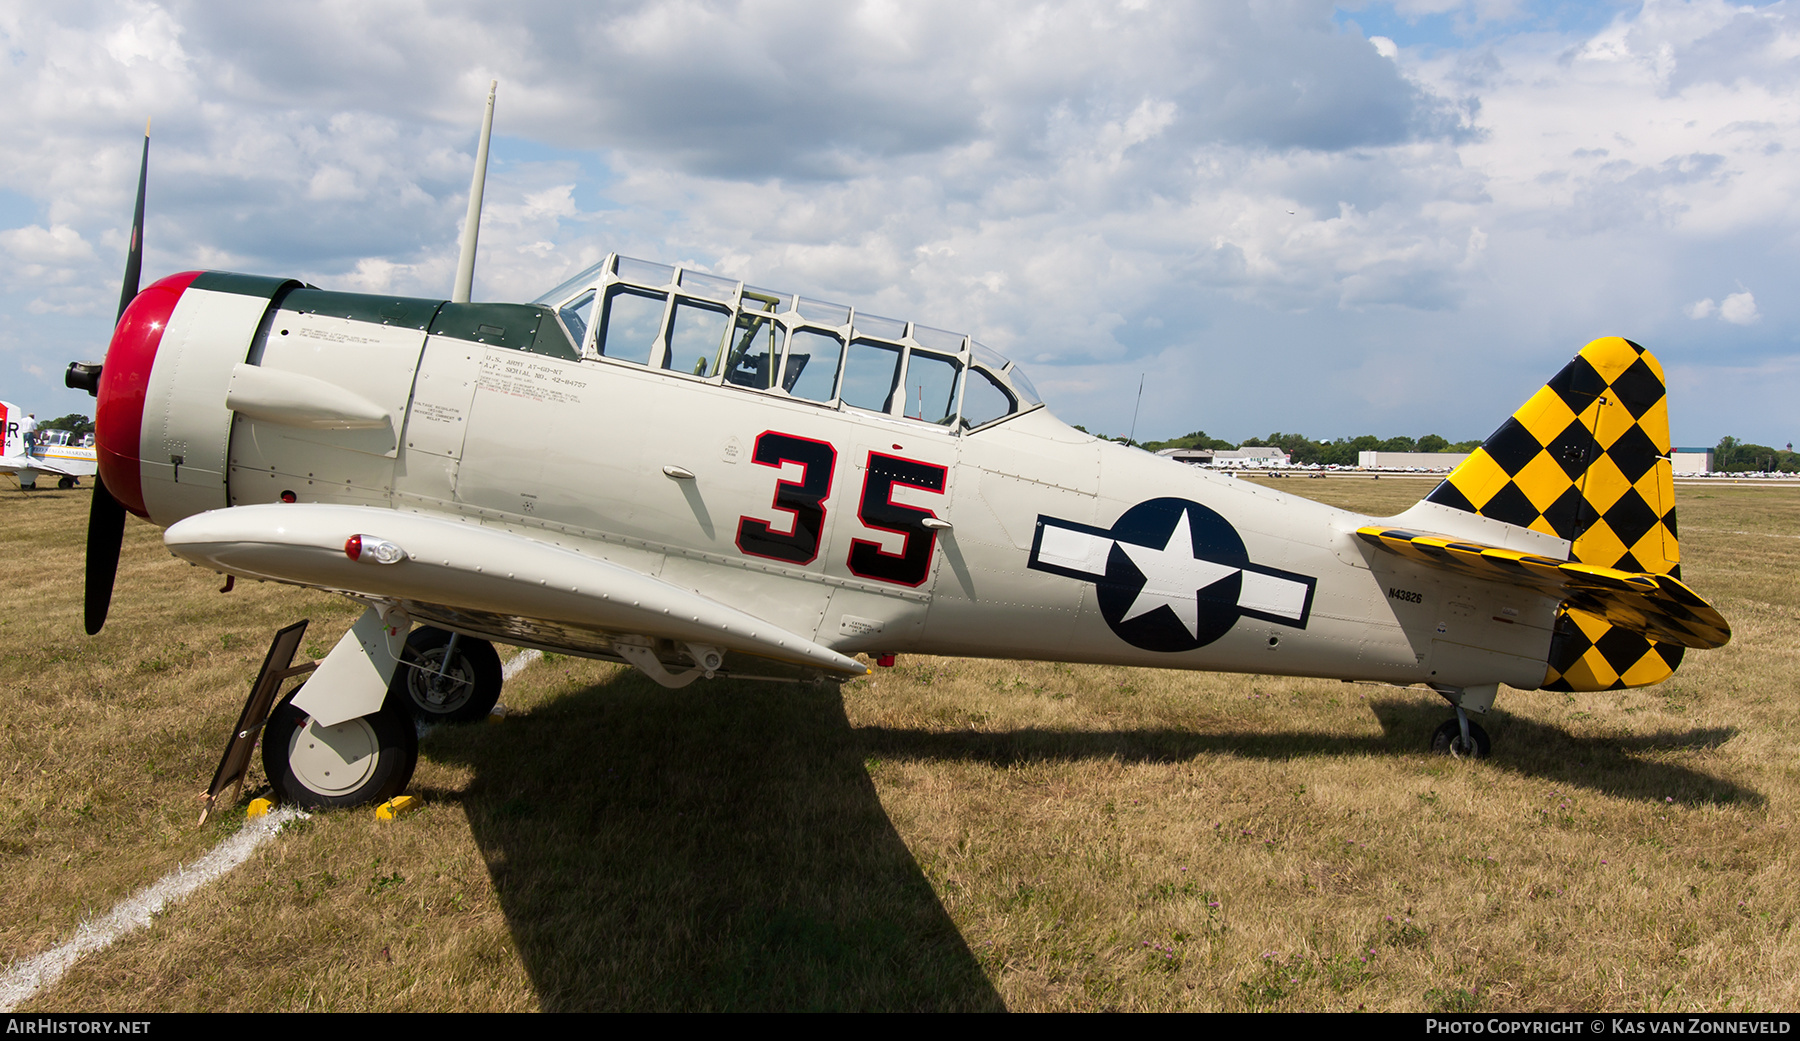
359 762
1448 740
469 688
65 483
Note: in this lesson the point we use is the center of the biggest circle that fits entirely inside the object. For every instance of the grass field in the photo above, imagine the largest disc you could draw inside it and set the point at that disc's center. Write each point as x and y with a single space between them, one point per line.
948 834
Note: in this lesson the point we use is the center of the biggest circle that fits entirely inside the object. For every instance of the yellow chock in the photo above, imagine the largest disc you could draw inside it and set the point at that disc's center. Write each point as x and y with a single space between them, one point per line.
258 808
393 808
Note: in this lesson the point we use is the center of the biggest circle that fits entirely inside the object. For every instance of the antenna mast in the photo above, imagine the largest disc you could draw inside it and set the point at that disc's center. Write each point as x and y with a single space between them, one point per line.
465 266
1131 438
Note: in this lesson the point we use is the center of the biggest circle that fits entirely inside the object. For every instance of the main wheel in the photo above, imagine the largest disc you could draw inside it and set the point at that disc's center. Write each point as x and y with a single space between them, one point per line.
464 691
358 762
1448 740
65 482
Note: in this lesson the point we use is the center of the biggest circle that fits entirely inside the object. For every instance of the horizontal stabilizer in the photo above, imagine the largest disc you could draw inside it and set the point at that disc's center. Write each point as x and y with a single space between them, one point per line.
1661 607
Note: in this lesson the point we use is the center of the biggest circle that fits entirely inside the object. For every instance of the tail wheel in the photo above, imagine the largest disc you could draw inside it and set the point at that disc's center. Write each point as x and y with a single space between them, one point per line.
462 690
1448 740
358 762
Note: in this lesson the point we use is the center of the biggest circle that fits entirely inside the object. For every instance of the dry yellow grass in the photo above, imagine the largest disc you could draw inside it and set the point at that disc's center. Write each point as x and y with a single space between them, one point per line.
951 834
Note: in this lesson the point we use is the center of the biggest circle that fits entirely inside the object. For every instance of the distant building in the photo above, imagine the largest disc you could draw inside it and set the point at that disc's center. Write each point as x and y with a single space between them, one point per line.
1228 458
1692 460
1410 460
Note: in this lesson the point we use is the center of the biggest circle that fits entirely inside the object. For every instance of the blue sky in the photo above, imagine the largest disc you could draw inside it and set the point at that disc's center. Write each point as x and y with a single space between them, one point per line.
1435 28
1394 218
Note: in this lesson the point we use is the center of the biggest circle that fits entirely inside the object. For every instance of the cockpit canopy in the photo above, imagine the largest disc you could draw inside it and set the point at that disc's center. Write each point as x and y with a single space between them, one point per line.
716 329
59 438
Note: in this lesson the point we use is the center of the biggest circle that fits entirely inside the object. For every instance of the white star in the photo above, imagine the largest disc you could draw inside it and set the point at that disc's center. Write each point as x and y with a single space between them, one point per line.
1173 577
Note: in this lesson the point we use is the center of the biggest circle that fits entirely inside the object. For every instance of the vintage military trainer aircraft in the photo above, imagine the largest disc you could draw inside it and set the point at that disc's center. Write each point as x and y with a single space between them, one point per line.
699 477
50 452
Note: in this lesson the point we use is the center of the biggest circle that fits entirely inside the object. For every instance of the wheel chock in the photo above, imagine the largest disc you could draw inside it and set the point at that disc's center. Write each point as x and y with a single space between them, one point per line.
258 808
395 807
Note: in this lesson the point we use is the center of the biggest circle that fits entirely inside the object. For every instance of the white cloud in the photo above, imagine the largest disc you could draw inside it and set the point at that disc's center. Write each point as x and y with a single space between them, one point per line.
1092 185
1739 309
58 244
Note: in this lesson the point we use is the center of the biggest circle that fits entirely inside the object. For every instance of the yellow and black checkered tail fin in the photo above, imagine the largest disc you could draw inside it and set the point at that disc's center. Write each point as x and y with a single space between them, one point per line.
1587 459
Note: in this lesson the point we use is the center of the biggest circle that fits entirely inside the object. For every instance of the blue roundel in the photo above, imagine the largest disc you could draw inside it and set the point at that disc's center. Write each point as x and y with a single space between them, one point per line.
1153 574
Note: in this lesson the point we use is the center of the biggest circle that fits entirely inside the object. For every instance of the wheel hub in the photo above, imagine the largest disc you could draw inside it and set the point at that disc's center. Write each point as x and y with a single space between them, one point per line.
336 759
446 692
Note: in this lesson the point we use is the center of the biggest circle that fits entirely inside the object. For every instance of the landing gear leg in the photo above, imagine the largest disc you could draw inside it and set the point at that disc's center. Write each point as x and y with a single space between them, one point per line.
1453 740
1462 738
342 738
351 742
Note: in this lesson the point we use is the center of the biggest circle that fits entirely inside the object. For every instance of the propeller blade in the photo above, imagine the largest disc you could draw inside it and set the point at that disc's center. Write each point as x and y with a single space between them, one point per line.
134 257
106 517
106 531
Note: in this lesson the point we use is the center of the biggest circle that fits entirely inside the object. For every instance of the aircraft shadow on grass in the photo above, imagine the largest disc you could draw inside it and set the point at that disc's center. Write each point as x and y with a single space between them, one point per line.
1610 764
718 849
726 849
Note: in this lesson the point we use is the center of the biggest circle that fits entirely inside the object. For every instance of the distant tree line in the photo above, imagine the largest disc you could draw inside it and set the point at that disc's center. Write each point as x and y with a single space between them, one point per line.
1731 455
1303 450
75 423
1734 456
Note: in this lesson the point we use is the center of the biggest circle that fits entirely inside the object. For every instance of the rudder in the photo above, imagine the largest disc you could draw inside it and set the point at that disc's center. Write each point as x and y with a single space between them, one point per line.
10 441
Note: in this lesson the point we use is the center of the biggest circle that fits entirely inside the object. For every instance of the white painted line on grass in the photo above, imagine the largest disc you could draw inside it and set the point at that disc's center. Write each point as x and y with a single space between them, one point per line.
24 979
518 664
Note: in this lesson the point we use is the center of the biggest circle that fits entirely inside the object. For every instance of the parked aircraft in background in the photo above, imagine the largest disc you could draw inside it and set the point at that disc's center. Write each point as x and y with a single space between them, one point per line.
699 477
52 452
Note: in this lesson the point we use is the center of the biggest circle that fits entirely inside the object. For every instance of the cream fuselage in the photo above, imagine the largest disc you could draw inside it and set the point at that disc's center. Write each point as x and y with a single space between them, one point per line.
595 456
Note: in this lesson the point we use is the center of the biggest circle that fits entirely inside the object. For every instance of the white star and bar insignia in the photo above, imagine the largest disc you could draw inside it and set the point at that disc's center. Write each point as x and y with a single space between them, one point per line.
1206 583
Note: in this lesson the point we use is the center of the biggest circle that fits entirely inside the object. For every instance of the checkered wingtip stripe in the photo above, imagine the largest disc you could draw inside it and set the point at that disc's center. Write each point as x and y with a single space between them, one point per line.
1586 459
1659 605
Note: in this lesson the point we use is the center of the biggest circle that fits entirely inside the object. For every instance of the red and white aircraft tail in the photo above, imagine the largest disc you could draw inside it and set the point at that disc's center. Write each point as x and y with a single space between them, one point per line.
9 426
51 454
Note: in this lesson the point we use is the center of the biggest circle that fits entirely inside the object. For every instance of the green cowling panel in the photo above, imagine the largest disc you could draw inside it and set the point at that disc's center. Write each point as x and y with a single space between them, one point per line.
520 327
404 312
243 285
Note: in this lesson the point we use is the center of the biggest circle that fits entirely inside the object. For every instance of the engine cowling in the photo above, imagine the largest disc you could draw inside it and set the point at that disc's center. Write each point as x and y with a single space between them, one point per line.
161 423
223 390
125 380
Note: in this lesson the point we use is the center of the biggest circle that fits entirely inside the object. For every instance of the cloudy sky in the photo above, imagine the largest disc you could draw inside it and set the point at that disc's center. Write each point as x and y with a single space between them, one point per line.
1330 219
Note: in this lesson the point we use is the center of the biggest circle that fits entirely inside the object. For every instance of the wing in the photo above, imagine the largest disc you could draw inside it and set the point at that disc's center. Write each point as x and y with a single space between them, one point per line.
485 579
1658 606
46 465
